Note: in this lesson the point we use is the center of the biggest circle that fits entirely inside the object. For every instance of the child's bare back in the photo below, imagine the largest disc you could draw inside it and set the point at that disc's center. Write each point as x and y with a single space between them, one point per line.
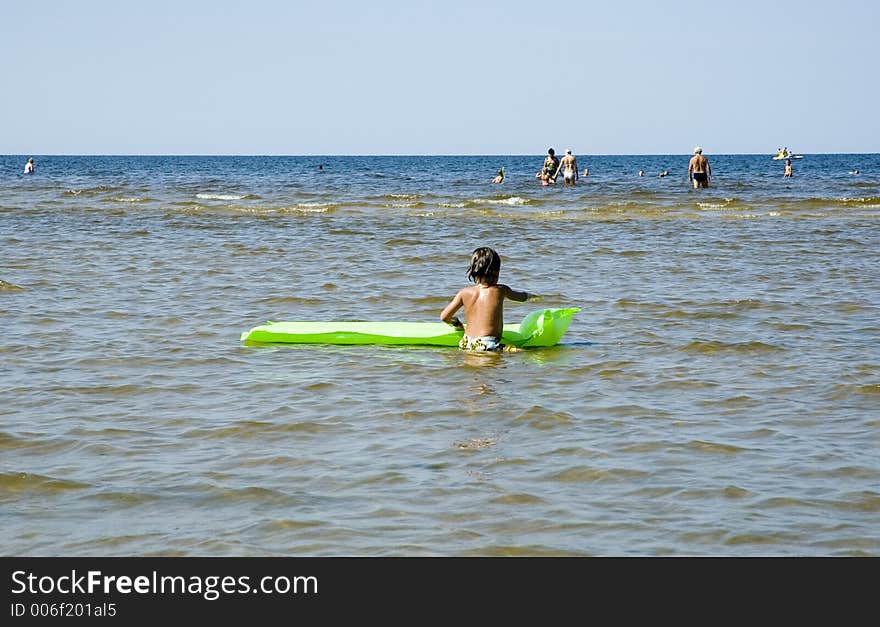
484 309
483 303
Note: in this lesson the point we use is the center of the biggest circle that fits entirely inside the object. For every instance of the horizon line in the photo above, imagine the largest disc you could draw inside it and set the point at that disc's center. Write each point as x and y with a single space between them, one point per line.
621 154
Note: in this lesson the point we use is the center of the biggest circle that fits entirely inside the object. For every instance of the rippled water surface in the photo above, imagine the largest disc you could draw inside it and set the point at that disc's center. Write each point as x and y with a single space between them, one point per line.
718 393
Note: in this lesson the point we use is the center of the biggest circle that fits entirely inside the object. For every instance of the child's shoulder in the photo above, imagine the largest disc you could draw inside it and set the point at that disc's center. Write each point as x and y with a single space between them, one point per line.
499 288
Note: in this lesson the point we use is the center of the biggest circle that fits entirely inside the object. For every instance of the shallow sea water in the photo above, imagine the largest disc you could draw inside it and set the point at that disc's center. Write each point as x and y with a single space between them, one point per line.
718 393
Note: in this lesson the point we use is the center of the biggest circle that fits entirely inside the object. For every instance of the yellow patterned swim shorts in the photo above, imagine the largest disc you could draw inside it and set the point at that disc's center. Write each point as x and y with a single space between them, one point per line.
484 343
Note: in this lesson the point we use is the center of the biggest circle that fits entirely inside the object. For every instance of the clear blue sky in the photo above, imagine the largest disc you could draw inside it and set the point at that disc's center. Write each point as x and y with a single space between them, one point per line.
438 77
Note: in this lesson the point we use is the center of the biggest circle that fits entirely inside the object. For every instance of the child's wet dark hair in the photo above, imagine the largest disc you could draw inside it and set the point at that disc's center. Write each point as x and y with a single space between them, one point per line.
484 261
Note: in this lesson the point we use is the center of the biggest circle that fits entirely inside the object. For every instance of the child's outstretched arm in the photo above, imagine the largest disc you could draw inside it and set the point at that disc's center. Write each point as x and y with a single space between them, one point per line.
513 294
448 313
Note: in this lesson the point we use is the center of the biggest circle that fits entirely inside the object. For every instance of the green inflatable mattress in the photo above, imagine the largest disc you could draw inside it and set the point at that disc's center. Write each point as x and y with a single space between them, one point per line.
541 328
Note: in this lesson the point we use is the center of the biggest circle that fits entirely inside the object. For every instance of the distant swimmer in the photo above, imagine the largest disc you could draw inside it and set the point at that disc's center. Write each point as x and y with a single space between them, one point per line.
586 171
569 167
663 173
699 170
787 168
29 166
320 166
641 173
499 177
854 172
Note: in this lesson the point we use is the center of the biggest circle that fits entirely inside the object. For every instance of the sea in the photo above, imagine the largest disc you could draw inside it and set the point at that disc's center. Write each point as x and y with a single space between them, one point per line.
718 394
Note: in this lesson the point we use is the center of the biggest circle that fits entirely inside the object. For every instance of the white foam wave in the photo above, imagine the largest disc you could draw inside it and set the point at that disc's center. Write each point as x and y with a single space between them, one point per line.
128 199
316 205
312 207
452 205
513 200
220 196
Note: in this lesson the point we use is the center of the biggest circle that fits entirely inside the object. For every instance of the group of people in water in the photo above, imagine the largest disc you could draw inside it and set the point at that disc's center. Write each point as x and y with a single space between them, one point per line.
699 170
553 165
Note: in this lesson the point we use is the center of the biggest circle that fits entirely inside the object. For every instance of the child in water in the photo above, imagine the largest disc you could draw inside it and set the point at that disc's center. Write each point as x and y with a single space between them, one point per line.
483 304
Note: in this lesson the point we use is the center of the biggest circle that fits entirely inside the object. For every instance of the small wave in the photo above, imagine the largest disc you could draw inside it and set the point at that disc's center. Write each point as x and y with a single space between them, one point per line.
714 447
872 389
474 444
6 286
290 300
846 202
452 205
225 196
712 347
512 200
312 207
129 200
867 201
91 191
724 203
36 484
405 205
401 196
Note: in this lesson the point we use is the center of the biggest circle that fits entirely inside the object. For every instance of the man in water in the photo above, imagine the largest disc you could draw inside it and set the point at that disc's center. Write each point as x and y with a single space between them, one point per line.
699 170
569 167
29 166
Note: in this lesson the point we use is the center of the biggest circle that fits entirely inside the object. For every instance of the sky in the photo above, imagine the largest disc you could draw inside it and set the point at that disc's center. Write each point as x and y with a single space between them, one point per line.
439 77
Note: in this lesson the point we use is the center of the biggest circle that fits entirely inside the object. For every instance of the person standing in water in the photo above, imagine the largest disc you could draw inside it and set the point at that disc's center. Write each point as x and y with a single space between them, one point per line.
699 170
499 177
569 167
548 170
29 166
787 168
